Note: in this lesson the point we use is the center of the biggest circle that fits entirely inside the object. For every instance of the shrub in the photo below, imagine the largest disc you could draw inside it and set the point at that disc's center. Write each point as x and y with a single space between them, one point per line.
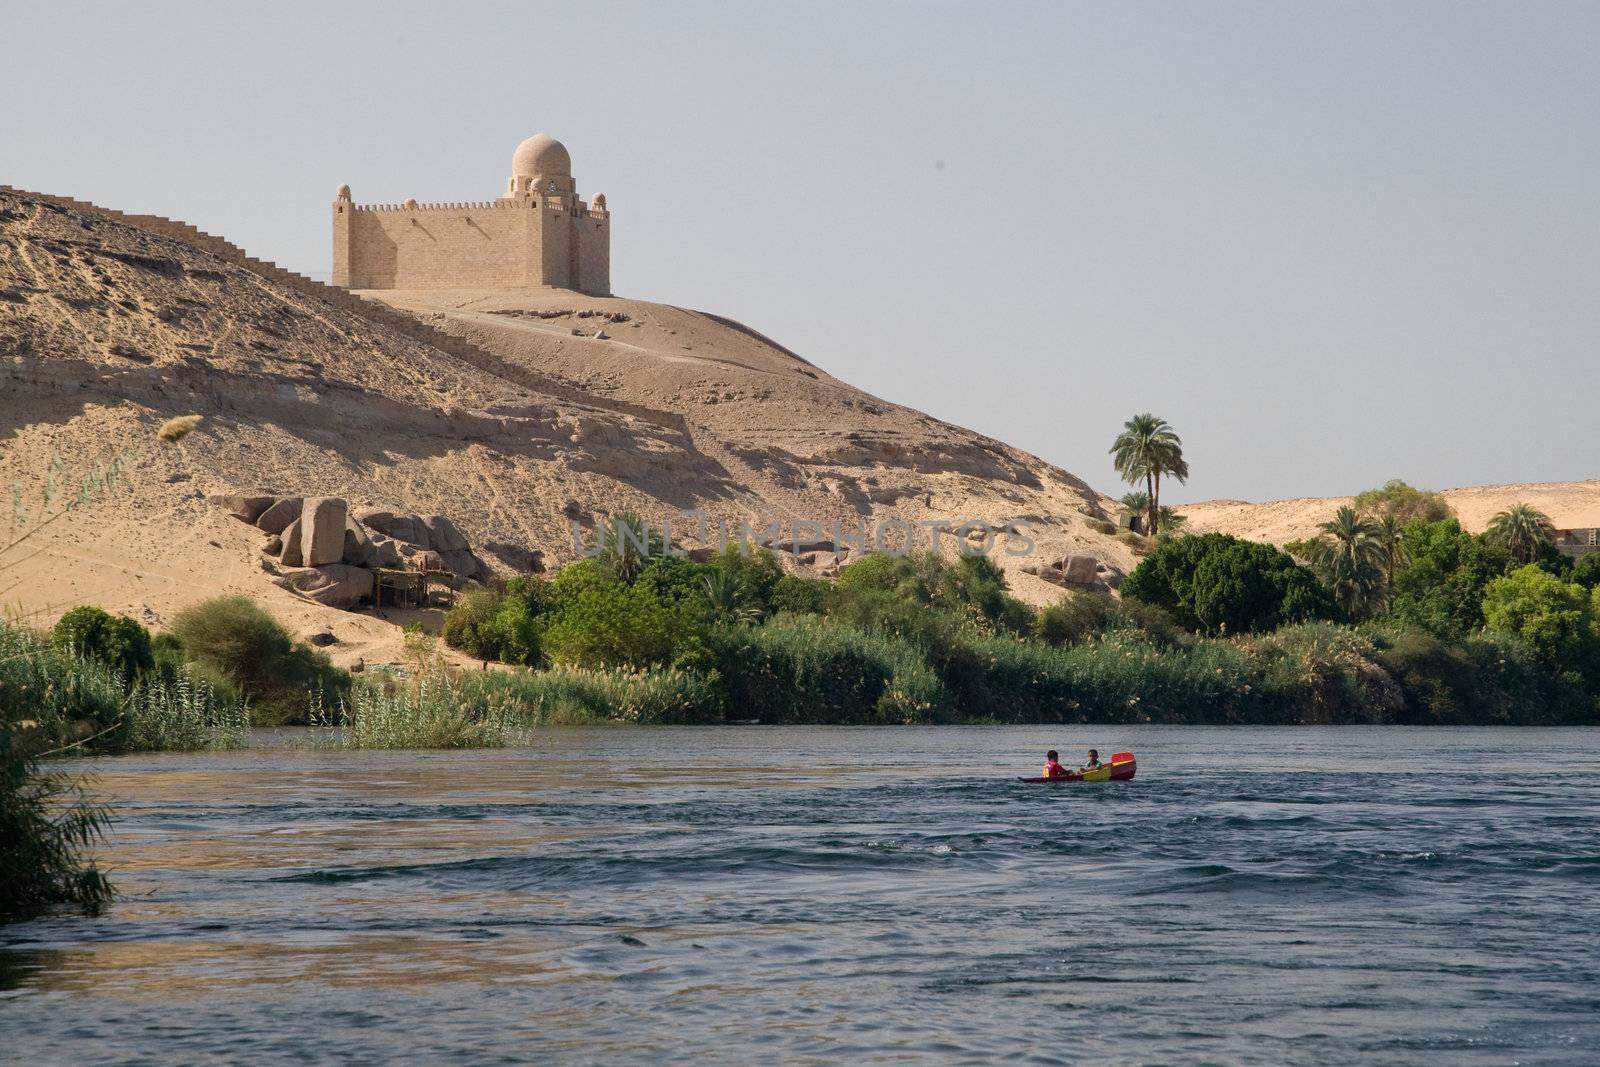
115 640
801 596
1586 571
1074 618
280 678
1405 503
469 625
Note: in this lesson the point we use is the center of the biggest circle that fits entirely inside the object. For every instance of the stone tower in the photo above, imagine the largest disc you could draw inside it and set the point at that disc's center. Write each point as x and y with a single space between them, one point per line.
539 234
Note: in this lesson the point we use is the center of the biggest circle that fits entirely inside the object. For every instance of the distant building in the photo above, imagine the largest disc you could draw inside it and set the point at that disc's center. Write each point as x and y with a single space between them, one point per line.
1579 541
539 234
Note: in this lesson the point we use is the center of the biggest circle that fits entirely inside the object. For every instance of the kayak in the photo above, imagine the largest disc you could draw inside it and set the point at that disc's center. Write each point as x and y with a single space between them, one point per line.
1120 769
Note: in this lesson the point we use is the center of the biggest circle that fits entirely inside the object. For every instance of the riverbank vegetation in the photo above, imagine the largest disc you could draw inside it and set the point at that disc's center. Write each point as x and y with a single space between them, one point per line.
1426 625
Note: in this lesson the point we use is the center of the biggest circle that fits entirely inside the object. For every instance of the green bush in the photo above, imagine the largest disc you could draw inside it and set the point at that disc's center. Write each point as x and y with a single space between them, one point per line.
279 677
1076 617
183 714
115 640
469 625
1405 503
801 596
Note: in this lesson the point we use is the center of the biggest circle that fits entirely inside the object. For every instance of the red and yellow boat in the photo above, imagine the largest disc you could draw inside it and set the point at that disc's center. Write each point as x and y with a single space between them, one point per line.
1121 768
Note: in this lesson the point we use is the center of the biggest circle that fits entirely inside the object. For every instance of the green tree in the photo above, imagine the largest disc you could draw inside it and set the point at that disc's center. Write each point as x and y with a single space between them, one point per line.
1148 449
1555 619
115 640
1391 538
1350 558
1586 572
1523 530
1218 583
1403 503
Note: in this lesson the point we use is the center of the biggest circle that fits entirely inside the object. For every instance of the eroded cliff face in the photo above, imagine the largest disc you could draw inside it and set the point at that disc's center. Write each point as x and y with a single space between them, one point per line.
514 413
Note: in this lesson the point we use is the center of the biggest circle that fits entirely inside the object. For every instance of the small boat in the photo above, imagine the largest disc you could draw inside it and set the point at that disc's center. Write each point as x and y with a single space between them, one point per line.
1120 769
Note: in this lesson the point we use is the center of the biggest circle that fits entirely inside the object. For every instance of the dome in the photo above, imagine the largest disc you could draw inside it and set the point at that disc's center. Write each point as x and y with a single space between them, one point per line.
599 200
343 193
540 155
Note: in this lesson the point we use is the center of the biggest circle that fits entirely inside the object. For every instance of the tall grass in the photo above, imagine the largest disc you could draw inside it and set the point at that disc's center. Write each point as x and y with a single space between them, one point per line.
183 715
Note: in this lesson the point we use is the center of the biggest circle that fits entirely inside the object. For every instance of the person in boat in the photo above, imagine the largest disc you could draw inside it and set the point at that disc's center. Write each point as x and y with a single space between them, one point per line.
1052 765
1094 760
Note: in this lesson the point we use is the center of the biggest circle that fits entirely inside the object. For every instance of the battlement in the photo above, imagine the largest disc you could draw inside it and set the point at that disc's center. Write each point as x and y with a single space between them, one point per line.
540 233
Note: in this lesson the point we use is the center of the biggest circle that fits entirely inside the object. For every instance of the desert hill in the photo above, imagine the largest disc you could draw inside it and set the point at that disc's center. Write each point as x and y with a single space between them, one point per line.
1569 504
513 413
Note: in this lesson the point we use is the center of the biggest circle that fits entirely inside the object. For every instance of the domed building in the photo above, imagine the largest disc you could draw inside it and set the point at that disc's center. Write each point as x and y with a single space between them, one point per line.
539 234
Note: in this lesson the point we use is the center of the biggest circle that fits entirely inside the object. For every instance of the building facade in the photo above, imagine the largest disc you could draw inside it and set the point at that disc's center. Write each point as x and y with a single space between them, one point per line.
539 234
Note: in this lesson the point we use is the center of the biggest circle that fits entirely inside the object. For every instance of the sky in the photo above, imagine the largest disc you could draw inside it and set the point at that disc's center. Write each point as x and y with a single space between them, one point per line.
1330 243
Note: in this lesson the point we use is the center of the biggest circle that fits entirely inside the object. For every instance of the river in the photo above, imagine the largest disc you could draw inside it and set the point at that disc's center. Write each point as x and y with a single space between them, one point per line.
772 894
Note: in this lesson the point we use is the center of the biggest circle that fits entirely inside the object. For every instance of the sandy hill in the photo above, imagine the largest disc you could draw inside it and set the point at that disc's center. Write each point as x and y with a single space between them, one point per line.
1569 504
513 413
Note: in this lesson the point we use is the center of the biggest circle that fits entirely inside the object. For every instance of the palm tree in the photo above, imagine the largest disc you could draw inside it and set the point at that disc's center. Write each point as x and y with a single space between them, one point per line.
1350 556
1137 504
1148 448
1171 523
1523 530
1390 536
727 598
626 544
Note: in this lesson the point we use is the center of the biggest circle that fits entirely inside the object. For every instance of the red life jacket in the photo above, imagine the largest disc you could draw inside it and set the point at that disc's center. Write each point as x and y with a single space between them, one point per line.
1053 769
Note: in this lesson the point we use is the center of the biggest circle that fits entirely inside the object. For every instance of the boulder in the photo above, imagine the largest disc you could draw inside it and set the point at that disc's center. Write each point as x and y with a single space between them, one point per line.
292 556
443 535
1080 570
522 560
337 585
245 507
407 528
322 526
272 546
462 562
359 551
277 517
385 551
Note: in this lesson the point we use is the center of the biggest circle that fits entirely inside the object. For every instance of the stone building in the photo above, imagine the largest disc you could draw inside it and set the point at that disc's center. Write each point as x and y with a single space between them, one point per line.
539 234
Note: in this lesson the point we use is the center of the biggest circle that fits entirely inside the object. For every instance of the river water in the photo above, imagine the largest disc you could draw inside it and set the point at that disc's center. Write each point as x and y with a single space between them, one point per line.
772 894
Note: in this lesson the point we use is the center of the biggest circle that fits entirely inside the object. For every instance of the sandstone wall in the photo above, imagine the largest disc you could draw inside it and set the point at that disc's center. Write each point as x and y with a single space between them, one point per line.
490 245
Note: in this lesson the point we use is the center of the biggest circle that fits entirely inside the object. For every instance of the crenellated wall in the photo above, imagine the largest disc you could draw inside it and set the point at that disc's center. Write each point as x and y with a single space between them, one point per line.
507 243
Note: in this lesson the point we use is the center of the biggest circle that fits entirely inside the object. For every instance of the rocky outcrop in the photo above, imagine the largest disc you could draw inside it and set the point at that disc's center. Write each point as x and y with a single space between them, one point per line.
277 517
335 549
322 529
336 585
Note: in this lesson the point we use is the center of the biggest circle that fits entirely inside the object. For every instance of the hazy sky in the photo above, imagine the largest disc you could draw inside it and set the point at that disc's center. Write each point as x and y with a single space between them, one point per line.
1331 243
